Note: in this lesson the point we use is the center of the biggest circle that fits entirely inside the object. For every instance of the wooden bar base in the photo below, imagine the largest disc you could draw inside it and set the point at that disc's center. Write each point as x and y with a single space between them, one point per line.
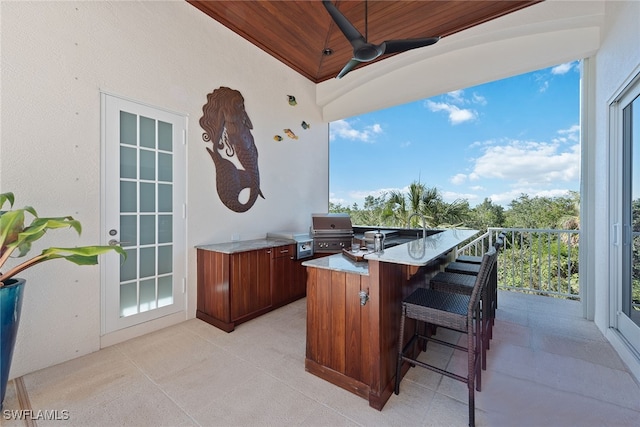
351 345
353 313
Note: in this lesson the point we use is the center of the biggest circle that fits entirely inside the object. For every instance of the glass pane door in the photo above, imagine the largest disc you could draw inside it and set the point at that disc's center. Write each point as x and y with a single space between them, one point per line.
627 301
630 304
144 192
146 179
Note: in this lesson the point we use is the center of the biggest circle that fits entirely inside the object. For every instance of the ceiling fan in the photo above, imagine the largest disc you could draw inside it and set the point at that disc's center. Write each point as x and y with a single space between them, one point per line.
364 51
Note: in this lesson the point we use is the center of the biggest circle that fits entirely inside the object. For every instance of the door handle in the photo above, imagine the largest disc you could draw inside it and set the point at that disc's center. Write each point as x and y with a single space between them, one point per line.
114 242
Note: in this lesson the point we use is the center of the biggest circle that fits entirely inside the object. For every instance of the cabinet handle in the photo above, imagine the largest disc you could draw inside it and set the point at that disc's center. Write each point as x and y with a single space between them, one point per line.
284 251
364 297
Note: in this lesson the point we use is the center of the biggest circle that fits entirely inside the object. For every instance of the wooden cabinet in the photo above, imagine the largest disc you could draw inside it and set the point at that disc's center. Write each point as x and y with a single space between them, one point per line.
250 283
355 346
288 276
338 329
234 288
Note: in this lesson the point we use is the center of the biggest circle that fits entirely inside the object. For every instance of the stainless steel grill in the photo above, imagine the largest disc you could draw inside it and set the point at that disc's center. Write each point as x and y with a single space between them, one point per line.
331 232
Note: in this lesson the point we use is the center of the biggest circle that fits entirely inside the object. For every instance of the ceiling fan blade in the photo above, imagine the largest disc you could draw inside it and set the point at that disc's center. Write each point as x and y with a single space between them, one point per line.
350 66
394 46
347 28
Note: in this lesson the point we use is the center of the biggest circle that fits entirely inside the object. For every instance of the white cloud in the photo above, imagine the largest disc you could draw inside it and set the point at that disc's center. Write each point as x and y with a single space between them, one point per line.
457 115
362 194
337 201
544 85
573 129
527 163
544 79
562 68
452 196
479 99
458 179
343 129
572 134
453 105
456 96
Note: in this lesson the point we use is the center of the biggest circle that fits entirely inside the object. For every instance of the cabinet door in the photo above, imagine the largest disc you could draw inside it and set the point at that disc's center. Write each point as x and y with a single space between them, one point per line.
282 274
298 280
250 282
338 328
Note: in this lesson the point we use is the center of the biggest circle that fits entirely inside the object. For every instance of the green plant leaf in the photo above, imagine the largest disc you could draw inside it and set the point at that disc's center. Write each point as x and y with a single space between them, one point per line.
84 255
6 197
11 224
14 235
36 230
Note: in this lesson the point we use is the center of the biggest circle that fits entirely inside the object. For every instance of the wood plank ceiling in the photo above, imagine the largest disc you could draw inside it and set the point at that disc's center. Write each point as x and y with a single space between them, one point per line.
298 32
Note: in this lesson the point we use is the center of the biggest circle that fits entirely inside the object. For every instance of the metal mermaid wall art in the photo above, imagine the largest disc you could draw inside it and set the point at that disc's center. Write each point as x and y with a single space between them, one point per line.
228 127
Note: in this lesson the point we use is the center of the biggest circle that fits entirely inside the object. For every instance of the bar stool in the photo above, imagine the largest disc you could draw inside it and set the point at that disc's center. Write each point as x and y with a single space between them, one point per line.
461 281
455 311
468 268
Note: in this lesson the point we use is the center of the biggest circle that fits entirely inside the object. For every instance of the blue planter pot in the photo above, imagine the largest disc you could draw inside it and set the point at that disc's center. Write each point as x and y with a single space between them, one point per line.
10 306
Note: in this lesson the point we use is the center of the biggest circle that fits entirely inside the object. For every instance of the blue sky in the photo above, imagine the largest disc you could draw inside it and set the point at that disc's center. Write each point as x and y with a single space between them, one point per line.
496 140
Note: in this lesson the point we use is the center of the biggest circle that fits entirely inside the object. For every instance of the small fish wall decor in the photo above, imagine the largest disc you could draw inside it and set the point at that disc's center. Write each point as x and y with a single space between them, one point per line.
292 100
227 132
290 134
277 138
305 125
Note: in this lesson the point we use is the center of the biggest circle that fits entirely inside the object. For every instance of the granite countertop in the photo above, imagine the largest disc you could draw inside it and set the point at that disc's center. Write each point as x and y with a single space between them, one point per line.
339 262
423 250
245 245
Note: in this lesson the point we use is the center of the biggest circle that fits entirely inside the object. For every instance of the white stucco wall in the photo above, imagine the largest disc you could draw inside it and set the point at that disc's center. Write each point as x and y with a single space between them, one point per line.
615 63
56 58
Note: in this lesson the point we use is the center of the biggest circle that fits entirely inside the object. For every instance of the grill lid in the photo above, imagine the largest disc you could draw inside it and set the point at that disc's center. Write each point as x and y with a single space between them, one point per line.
331 224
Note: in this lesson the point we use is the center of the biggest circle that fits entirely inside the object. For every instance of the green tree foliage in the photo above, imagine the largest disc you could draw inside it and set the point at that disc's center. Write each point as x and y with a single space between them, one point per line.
485 215
395 208
541 262
635 269
544 212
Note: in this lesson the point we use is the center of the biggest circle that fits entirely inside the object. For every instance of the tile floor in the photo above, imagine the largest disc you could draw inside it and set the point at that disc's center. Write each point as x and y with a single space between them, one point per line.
546 367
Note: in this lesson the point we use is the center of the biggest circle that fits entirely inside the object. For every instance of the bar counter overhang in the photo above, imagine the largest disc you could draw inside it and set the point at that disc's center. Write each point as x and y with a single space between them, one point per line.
354 345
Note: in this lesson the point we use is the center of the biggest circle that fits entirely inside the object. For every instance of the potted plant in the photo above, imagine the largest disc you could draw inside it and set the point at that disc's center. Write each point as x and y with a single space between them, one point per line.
16 238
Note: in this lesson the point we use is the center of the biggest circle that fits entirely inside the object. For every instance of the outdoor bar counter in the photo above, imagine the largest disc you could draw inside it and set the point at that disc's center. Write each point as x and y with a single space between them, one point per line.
353 311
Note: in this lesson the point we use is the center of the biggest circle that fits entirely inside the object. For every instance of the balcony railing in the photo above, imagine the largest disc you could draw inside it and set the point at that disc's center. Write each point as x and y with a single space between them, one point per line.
542 262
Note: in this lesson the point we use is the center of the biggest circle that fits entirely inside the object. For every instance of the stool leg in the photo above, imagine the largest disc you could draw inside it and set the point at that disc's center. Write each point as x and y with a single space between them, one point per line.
484 329
400 345
479 355
473 371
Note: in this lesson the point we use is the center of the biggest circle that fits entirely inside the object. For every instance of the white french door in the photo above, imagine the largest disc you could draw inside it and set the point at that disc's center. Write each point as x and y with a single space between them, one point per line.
626 301
144 168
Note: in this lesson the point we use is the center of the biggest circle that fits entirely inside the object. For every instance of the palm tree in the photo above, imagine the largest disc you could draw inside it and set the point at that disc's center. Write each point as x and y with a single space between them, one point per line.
428 202
450 215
